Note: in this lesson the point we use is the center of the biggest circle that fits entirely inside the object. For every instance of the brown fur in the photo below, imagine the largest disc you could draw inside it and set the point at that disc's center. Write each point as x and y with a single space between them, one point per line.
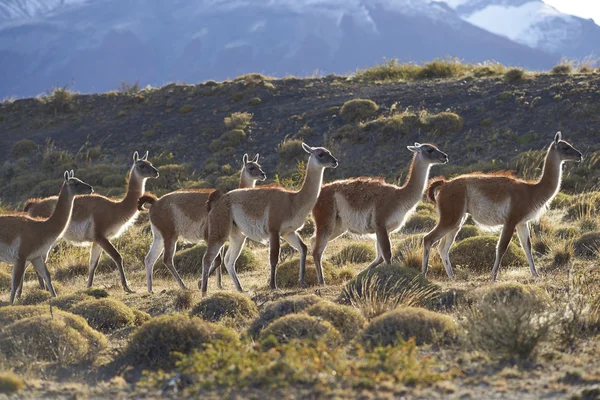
147 198
264 213
434 185
96 218
30 239
183 213
497 199
371 206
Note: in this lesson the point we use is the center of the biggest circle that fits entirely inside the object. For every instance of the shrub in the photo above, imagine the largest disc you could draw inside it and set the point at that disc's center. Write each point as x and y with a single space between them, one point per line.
288 273
409 252
8 315
515 75
562 256
186 108
62 337
420 222
189 261
444 122
302 327
225 305
5 282
508 329
347 320
113 180
358 110
355 253
562 69
35 296
426 327
183 299
67 302
467 231
23 148
96 293
238 120
105 315
513 294
10 383
153 344
290 151
385 287
478 254
587 245
59 99
279 308
254 101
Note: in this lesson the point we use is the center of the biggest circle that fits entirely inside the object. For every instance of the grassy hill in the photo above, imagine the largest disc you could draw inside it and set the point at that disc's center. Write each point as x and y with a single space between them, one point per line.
484 117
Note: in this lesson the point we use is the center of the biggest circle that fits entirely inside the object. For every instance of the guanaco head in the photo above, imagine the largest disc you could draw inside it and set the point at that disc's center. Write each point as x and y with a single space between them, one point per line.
320 156
142 167
565 151
252 169
429 153
76 186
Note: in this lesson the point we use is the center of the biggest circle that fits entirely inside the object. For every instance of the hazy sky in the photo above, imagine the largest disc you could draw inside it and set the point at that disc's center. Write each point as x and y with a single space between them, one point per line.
581 8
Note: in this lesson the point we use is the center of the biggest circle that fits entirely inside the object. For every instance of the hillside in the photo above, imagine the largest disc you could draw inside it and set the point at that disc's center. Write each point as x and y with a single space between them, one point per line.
495 120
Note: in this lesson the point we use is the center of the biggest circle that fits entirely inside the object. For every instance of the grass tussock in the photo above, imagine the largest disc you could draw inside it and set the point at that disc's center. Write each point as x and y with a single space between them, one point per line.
358 110
188 262
153 344
301 327
5 282
347 320
238 120
288 273
587 245
355 253
10 383
420 222
386 287
62 337
477 254
224 305
280 308
35 296
105 315
426 327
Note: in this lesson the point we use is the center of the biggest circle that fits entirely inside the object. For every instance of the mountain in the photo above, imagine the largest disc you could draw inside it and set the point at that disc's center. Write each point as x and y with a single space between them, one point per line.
94 45
533 23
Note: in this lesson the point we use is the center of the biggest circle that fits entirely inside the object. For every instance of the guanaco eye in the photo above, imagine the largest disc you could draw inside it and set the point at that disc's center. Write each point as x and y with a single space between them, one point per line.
320 155
250 168
430 150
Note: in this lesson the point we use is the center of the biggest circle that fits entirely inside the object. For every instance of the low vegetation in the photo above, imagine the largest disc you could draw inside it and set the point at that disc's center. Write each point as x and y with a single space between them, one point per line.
358 110
105 315
288 273
477 254
230 305
280 308
302 327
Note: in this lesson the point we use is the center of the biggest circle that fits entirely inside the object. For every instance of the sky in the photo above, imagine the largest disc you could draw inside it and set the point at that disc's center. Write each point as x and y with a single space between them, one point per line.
580 8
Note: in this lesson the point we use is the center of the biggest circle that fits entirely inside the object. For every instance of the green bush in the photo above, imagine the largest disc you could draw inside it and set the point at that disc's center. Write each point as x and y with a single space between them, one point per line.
427 327
67 302
35 296
420 222
238 120
182 300
288 273
62 337
225 305
562 69
513 294
105 315
358 110
444 122
8 315
301 327
170 177
478 254
290 151
10 383
587 245
279 308
467 231
347 320
189 261
254 101
23 148
96 293
515 75
355 253
152 345
5 282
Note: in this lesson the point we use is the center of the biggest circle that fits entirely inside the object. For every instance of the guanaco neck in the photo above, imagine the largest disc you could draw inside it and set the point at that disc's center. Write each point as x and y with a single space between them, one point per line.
246 181
135 189
61 216
307 196
418 174
549 183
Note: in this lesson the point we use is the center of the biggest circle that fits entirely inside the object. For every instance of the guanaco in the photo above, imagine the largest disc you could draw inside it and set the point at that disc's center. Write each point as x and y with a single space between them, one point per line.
97 219
263 213
495 200
182 214
371 206
24 239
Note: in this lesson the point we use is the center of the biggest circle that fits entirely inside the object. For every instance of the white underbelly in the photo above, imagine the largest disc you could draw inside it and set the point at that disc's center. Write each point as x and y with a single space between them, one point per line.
353 220
118 229
190 231
255 229
397 220
79 232
486 213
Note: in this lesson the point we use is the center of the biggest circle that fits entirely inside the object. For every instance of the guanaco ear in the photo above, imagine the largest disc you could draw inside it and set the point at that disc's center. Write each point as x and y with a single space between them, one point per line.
145 158
245 159
307 148
66 176
136 156
72 174
255 158
557 137
416 148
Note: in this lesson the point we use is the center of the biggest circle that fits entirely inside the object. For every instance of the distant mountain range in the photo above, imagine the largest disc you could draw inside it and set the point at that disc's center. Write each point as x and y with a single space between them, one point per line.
96 44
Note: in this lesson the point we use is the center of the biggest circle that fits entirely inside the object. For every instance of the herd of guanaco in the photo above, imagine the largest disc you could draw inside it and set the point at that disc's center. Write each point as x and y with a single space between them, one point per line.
358 205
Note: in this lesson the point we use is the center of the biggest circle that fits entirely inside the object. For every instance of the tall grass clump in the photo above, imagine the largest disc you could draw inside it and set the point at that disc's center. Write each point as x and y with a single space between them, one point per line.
358 110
